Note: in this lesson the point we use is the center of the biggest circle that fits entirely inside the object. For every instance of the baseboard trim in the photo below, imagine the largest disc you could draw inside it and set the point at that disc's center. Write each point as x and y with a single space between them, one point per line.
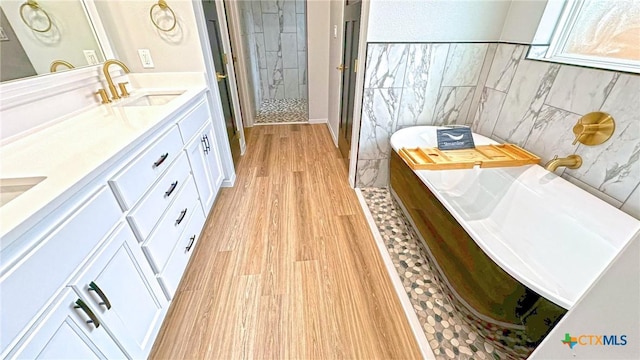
334 136
243 146
229 182
281 123
412 318
318 121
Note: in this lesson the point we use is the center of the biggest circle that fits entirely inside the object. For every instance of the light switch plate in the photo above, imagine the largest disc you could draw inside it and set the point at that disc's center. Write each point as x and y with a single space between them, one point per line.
90 55
335 31
145 58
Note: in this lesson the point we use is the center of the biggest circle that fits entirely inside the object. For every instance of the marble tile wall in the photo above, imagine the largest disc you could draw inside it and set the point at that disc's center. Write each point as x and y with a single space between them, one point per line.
493 88
278 42
536 104
251 56
414 84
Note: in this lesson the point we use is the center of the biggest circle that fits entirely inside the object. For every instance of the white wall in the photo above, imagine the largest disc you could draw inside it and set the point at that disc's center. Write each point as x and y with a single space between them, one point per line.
335 58
436 20
454 20
129 27
318 34
522 21
609 307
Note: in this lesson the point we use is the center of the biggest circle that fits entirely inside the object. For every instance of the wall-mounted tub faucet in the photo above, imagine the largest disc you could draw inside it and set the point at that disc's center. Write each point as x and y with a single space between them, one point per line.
571 162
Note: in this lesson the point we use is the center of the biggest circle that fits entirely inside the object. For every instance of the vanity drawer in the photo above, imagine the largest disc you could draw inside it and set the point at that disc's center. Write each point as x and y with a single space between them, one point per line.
132 181
26 290
192 122
164 237
173 271
147 211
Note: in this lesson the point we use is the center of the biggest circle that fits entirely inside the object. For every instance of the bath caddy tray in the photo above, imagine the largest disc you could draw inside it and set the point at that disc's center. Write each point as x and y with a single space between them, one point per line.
486 156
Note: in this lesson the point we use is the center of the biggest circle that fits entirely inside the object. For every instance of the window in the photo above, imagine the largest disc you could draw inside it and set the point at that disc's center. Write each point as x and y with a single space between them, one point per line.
595 33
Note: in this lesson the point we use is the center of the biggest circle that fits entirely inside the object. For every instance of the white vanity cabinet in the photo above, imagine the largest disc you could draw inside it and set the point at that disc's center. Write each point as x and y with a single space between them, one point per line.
196 130
172 272
161 242
115 250
112 307
144 216
123 293
64 333
28 288
205 165
132 181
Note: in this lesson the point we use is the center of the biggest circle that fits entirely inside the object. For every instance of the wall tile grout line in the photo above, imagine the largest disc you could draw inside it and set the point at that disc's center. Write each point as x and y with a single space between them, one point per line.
630 194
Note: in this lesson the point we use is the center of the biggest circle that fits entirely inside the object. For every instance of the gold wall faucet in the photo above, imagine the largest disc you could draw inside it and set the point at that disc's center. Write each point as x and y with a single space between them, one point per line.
56 63
571 162
105 69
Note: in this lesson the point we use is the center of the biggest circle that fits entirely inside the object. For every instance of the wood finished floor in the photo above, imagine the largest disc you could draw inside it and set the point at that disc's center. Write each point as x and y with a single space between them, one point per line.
286 266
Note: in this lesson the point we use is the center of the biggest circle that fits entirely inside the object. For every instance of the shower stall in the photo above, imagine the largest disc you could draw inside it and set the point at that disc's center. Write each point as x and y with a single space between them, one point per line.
274 54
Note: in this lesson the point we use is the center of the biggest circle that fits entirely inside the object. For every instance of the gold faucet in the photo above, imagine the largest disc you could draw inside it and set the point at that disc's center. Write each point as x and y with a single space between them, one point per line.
571 162
105 69
54 65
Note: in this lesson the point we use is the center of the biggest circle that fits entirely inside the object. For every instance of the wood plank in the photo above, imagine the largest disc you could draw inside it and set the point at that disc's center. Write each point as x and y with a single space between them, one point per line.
286 266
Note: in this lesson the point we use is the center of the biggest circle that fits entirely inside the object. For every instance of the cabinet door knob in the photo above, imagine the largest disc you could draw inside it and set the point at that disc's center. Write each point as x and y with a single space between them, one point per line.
171 188
105 301
183 213
191 241
94 320
161 160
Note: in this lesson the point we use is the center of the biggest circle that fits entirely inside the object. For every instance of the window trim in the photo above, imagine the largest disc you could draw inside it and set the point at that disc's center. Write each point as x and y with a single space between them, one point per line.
557 23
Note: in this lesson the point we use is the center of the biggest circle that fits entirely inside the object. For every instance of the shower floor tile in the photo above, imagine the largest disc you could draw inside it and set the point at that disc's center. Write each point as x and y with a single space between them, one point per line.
452 331
282 111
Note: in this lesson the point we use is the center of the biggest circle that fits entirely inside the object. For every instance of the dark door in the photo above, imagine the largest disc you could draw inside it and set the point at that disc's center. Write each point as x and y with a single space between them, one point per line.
349 68
220 61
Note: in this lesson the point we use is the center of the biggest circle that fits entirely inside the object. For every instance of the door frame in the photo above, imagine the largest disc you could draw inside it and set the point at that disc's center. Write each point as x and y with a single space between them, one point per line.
359 91
347 69
244 90
214 95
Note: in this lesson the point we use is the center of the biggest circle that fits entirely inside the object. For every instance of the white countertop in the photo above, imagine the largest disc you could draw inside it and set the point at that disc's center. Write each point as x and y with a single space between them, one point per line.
547 233
71 149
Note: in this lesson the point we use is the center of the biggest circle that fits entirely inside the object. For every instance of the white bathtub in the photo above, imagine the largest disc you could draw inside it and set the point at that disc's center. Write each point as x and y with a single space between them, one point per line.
542 230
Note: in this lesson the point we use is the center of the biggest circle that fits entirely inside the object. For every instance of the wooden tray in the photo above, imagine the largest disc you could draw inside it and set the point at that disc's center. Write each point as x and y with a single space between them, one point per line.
485 156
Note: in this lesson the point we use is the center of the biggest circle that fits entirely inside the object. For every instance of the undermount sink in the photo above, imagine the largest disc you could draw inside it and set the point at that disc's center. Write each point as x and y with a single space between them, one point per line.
154 99
11 188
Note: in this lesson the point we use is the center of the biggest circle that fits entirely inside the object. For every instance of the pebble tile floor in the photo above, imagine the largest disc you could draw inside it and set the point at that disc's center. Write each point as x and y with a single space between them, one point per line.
282 111
452 332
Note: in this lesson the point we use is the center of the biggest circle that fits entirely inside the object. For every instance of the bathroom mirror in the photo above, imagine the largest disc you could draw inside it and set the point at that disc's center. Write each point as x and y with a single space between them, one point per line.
595 33
35 33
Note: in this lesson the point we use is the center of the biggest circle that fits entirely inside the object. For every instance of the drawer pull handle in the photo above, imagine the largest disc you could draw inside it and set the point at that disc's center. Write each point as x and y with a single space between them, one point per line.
94 320
191 241
105 301
208 144
161 160
204 145
171 188
183 213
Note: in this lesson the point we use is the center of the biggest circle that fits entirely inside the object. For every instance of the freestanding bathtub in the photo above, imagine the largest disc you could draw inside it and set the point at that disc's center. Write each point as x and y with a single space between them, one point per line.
516 246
